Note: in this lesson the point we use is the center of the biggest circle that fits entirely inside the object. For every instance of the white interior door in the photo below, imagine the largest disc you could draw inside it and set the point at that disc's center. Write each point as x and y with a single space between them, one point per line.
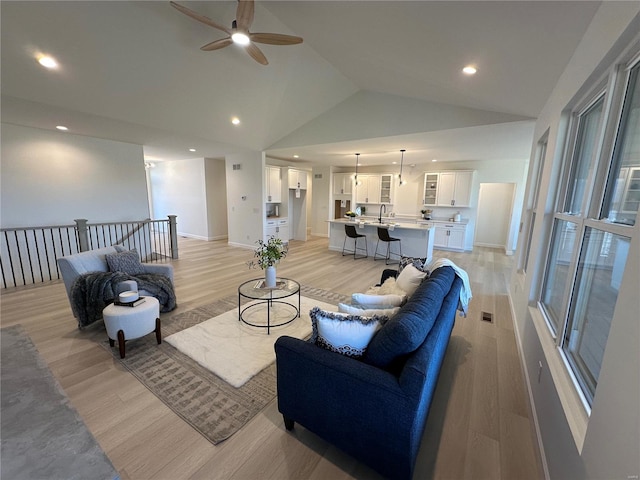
495 206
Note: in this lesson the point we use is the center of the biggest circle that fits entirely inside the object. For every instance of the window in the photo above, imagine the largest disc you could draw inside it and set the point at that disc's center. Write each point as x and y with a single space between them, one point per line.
624 198
599 276
583 161
558 271
532 203
591 228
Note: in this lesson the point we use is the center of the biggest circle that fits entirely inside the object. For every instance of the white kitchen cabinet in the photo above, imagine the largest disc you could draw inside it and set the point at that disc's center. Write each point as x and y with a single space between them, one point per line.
273 184
454 189
386 188
449 236
297 179
430 189
282 232
276 228
270 228
342 183
368 190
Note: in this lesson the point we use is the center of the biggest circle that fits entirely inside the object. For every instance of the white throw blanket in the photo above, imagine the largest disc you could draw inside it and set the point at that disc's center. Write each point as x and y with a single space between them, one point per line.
465 291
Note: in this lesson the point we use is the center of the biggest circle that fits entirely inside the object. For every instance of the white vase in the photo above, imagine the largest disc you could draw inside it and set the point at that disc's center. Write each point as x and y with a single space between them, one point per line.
270 277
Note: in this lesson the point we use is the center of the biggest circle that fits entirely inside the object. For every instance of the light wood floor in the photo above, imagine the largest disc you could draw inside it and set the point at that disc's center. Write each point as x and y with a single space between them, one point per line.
479 425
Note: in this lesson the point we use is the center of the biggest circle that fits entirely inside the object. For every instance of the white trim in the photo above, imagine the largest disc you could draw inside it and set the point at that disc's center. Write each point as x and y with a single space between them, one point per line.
200 237
241 245
568 390
532 404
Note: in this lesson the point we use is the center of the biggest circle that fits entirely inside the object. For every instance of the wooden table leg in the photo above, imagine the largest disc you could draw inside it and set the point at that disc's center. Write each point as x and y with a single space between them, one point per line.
121 343
158 331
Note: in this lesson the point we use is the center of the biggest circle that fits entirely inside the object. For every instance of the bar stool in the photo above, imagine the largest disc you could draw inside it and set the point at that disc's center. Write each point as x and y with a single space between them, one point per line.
351 232
383 234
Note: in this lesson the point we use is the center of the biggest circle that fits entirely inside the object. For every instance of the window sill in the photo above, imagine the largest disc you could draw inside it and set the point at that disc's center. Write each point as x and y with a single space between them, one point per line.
575 407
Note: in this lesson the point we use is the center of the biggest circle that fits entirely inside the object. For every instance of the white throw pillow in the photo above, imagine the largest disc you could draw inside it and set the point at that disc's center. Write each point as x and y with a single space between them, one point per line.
388 287
367 312
377 301
342 333
409 279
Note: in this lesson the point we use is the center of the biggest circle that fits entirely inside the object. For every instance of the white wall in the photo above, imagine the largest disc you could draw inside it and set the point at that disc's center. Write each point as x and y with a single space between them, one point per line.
195 191
178 188
216 187
52 178
245 207
320 207
611 442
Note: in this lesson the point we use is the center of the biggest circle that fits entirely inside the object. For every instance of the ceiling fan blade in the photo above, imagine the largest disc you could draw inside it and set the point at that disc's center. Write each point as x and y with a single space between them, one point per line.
244 14
200 18
274 38
256 54
217 45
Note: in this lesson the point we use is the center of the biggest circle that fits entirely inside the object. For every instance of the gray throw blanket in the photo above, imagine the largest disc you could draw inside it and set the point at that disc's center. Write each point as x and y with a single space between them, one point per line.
93 291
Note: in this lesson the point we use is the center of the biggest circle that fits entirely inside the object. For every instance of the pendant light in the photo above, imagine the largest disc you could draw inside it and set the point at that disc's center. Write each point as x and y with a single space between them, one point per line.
356 176
402 182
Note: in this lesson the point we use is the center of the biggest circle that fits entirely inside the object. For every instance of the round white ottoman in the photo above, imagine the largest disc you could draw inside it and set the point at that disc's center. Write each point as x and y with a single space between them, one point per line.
126 323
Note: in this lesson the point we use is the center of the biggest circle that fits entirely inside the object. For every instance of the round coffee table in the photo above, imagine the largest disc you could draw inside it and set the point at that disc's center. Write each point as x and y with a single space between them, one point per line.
254 290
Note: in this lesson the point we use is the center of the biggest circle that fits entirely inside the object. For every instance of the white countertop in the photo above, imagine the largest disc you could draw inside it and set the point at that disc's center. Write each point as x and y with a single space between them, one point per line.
386 222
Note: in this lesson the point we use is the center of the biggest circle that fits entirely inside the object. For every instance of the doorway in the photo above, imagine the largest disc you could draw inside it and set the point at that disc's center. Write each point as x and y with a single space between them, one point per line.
495 209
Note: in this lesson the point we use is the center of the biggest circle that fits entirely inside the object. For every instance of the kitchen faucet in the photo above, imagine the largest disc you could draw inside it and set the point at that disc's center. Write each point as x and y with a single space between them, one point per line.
380 215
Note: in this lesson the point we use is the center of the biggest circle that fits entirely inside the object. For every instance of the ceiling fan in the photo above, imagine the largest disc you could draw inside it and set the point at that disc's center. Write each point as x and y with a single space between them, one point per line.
239 32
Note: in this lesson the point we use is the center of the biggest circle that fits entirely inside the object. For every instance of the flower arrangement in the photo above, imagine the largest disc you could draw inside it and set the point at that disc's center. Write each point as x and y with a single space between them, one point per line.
350 214
268 253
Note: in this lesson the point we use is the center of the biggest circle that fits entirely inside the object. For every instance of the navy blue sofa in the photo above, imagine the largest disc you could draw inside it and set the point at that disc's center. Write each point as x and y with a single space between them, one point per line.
375 408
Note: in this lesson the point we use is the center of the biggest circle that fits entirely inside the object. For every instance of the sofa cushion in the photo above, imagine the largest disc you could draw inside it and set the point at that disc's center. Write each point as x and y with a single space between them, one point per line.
409 279
418 262
377 301
127 262
407 330
343 333
367 312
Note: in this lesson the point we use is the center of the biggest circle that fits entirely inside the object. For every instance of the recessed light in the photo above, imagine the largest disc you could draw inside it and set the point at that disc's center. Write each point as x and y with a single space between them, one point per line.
192 149
235 121
434 160
48 62
469 70
62 127
393 163
296 156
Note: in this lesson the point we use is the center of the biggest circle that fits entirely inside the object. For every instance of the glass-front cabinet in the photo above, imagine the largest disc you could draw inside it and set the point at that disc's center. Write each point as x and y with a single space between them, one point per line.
448 189
430 188
386 188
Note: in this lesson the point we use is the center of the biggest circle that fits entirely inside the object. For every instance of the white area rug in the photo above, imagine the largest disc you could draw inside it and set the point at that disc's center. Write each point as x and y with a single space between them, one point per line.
235 351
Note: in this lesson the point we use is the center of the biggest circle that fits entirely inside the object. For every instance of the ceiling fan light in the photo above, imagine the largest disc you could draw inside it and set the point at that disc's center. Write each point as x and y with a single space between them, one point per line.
240 38
47 61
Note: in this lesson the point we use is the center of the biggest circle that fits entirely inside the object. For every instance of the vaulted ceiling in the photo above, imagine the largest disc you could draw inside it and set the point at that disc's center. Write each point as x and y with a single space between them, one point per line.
371 77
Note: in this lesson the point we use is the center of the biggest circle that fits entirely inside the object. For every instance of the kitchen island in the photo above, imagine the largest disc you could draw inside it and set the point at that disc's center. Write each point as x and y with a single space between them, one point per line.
416 238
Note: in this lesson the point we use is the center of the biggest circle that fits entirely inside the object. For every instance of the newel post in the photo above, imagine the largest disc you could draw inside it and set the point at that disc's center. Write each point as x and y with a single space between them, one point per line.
83 236
173 235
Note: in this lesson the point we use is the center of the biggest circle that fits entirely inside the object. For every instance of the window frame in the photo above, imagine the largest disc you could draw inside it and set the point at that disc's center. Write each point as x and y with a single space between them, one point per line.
598 190
533 196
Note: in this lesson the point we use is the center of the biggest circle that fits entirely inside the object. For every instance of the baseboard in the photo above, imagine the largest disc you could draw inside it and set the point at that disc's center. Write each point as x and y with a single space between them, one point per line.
241 245
532 405
201 237
315 234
